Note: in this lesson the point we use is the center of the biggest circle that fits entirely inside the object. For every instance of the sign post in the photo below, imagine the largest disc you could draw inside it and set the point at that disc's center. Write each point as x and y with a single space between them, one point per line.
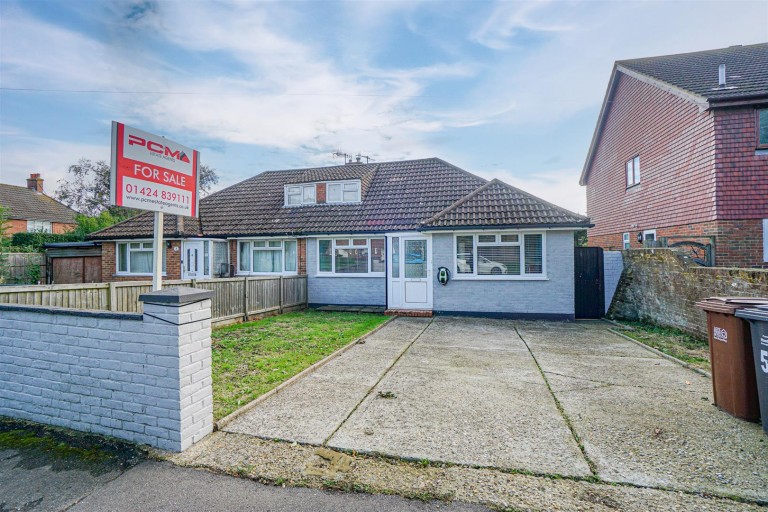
152 173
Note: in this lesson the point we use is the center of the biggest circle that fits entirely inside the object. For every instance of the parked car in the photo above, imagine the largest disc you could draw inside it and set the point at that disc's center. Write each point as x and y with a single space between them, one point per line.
484 266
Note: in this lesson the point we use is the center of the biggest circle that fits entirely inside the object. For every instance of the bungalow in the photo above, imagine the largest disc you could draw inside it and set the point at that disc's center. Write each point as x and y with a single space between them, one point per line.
373 234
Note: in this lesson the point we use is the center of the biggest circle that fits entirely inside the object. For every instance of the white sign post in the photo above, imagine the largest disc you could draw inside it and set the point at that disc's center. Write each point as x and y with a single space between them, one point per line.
152 173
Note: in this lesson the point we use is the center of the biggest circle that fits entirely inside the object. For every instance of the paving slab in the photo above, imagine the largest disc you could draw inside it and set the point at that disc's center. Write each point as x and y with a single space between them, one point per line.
467 392
313 408
648 421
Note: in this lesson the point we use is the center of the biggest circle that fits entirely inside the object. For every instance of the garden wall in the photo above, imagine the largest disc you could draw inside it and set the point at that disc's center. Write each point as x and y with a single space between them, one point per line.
661 286
141 377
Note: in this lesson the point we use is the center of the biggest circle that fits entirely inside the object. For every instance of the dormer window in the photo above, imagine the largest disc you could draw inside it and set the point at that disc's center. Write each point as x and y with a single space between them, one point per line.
297 195
343 192
323 192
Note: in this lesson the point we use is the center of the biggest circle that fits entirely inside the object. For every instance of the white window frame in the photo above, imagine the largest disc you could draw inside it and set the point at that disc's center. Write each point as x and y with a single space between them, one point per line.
474 276
35 226
625 241
129 250
634 178
303 192
251 248
345 187
649 232
333 273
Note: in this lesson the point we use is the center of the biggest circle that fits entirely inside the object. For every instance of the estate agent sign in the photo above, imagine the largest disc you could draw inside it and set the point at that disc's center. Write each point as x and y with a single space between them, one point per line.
153 173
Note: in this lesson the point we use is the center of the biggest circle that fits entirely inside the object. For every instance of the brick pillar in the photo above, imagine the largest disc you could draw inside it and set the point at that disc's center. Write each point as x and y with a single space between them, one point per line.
182 319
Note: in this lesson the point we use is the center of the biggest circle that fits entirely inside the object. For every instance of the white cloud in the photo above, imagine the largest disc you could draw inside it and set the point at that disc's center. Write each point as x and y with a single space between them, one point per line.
50 158
508 19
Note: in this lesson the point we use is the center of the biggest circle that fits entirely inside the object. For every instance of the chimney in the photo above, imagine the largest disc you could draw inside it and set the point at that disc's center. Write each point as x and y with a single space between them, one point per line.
35 182
721 75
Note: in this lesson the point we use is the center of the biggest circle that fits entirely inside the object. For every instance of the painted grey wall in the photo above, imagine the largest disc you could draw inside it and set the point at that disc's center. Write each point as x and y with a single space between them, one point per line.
554 296
145 378
370 291
613 266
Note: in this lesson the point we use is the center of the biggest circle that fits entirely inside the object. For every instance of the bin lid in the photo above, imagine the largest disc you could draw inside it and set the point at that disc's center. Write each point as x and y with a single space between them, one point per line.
730 304
756 313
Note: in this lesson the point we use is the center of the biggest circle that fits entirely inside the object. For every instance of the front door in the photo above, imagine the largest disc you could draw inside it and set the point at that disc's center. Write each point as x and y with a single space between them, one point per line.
410 285
192 260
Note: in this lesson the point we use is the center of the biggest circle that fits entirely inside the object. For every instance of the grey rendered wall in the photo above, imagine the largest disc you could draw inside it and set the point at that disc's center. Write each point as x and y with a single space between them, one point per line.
370 291
551 298
613 266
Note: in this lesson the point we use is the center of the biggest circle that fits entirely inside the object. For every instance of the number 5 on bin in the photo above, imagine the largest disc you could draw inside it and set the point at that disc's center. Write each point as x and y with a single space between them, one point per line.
764 360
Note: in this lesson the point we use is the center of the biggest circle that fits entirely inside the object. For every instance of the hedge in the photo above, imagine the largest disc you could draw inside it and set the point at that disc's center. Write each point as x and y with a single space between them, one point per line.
37 240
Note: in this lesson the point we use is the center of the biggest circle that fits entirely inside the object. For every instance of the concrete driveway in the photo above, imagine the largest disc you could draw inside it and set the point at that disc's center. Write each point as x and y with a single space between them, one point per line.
548 398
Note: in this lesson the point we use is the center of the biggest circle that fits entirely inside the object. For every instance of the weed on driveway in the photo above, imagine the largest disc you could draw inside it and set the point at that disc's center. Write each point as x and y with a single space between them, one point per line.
673 342
252 358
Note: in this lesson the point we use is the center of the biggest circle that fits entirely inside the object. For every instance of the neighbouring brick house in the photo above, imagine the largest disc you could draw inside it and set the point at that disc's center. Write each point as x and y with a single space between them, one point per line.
681 151
374 235
29 209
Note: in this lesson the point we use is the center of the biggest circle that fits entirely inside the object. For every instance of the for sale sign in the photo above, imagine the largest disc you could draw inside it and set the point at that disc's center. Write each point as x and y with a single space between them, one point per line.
150 172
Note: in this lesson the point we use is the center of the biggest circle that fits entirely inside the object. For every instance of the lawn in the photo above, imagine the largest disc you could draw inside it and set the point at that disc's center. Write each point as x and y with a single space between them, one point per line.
688 348
250 359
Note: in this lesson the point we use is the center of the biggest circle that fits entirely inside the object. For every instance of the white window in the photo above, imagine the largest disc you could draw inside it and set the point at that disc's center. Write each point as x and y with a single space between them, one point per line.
220 259
136 258
500 255
267 257
625 240
633 171
36 226
351 256
649 235
343 191
297 195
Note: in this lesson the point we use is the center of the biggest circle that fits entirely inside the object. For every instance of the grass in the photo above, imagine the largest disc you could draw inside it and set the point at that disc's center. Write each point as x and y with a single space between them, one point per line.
252 358
686 347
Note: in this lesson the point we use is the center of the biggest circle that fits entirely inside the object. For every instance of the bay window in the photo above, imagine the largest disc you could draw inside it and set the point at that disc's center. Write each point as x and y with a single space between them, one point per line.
267 256
499 255
136 258
351 256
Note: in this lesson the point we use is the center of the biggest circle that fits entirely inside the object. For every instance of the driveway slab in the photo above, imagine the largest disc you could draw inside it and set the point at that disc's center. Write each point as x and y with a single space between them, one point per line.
646 420
467 392
313 408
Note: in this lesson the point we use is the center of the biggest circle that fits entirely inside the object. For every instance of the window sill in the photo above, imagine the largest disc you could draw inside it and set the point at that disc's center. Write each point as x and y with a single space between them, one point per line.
331 275
633 186
268 274
500 278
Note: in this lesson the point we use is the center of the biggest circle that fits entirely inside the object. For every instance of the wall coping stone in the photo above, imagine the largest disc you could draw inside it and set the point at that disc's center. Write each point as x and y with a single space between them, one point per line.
53 310
176 296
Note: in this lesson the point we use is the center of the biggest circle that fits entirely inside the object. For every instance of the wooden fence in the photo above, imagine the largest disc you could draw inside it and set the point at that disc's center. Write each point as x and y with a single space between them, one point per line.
22 267
235 299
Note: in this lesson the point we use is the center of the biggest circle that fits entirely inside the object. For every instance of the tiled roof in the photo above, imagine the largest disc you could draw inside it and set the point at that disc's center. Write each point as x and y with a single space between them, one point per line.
697 72
497 204
142 226
27 204
395 196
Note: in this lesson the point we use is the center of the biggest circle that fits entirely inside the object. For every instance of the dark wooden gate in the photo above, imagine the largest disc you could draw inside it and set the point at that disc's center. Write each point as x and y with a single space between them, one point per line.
590 288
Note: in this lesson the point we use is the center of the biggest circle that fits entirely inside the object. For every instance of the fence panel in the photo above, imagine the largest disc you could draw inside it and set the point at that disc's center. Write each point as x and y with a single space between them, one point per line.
234 297
25 265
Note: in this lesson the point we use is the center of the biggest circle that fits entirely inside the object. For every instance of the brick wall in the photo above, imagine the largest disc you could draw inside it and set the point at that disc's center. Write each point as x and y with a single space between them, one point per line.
16 226
145 378
742 174
109 263
660 287
60 227
738 243
676 144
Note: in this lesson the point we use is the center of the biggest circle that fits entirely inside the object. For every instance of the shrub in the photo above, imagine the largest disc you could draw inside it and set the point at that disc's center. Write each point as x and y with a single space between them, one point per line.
37 240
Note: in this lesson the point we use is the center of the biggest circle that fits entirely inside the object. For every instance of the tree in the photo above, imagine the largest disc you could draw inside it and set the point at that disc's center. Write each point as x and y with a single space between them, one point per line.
580 238
86 188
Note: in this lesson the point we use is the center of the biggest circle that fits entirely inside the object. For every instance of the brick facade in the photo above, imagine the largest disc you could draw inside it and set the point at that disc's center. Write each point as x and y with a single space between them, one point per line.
109 263
20 226
699 174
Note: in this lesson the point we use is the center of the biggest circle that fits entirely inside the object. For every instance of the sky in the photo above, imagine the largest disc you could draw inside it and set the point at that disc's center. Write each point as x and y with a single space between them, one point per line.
507 90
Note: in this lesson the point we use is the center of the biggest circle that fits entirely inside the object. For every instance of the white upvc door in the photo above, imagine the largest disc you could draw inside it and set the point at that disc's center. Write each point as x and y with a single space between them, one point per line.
192 260
410 271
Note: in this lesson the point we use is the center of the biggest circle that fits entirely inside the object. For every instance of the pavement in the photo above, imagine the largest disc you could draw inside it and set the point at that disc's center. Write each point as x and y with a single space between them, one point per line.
548 398
33 480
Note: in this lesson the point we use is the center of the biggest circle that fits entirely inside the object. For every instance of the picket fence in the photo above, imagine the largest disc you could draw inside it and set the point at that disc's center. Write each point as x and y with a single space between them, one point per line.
236 299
